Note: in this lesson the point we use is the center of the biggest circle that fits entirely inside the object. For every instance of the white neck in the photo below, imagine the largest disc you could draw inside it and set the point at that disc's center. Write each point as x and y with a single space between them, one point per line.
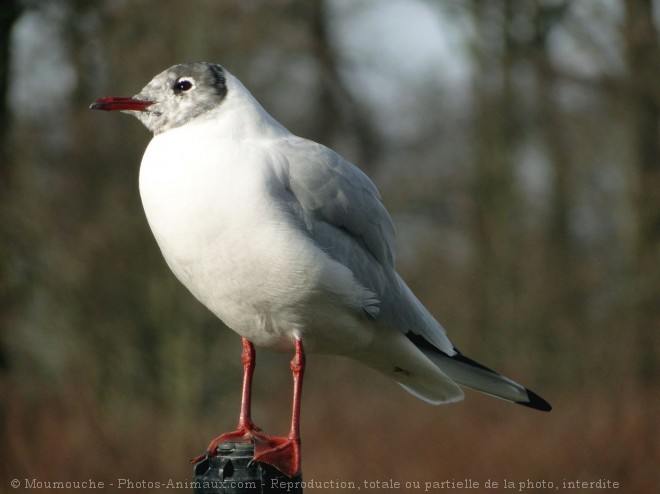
239 116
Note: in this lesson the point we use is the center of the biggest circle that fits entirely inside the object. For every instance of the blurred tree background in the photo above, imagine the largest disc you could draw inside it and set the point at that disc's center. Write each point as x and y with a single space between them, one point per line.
516 144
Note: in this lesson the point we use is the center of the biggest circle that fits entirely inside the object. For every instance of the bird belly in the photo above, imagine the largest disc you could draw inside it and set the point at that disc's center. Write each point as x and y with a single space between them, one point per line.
244 258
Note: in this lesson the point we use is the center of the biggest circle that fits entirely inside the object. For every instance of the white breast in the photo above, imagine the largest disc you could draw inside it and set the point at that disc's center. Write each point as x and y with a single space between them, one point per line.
210 210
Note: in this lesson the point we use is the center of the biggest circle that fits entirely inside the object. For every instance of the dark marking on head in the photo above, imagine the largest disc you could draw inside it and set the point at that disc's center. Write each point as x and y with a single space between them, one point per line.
220 80
181 94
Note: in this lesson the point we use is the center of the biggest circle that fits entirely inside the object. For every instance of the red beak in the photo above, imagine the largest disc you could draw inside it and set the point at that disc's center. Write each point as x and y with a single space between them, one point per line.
110 103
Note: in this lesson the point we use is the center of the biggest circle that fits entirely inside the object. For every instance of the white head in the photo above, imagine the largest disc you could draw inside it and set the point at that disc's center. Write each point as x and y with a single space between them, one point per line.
174 97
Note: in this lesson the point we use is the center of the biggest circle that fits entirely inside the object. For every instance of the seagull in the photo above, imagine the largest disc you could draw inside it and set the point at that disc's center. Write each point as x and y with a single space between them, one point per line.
288 244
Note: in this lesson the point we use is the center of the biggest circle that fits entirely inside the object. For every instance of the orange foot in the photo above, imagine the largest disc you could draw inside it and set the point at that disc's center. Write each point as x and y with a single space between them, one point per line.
243 434
282 453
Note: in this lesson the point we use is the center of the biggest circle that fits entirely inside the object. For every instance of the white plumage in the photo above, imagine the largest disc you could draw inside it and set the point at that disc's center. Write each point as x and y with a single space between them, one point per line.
282 238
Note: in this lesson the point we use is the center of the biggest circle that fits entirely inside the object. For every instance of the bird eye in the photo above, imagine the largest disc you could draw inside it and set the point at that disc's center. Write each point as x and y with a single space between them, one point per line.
182 85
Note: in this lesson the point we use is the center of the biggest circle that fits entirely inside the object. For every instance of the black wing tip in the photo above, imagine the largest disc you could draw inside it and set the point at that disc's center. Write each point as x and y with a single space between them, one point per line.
535 402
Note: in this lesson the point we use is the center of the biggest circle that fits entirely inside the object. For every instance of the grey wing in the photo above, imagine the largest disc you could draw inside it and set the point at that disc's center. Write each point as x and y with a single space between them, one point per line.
340 209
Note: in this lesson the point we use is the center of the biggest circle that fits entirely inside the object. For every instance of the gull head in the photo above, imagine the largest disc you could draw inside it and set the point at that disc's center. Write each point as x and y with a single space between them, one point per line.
174 97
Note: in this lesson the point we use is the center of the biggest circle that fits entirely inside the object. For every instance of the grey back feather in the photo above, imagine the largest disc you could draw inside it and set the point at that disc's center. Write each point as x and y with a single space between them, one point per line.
341 210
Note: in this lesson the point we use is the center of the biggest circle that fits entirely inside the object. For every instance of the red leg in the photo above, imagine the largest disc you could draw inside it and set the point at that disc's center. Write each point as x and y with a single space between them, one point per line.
245 429
284 452
281 452
249 361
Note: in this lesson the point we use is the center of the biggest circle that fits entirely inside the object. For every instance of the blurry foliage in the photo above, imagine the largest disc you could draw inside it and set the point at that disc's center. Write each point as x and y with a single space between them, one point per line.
528 211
